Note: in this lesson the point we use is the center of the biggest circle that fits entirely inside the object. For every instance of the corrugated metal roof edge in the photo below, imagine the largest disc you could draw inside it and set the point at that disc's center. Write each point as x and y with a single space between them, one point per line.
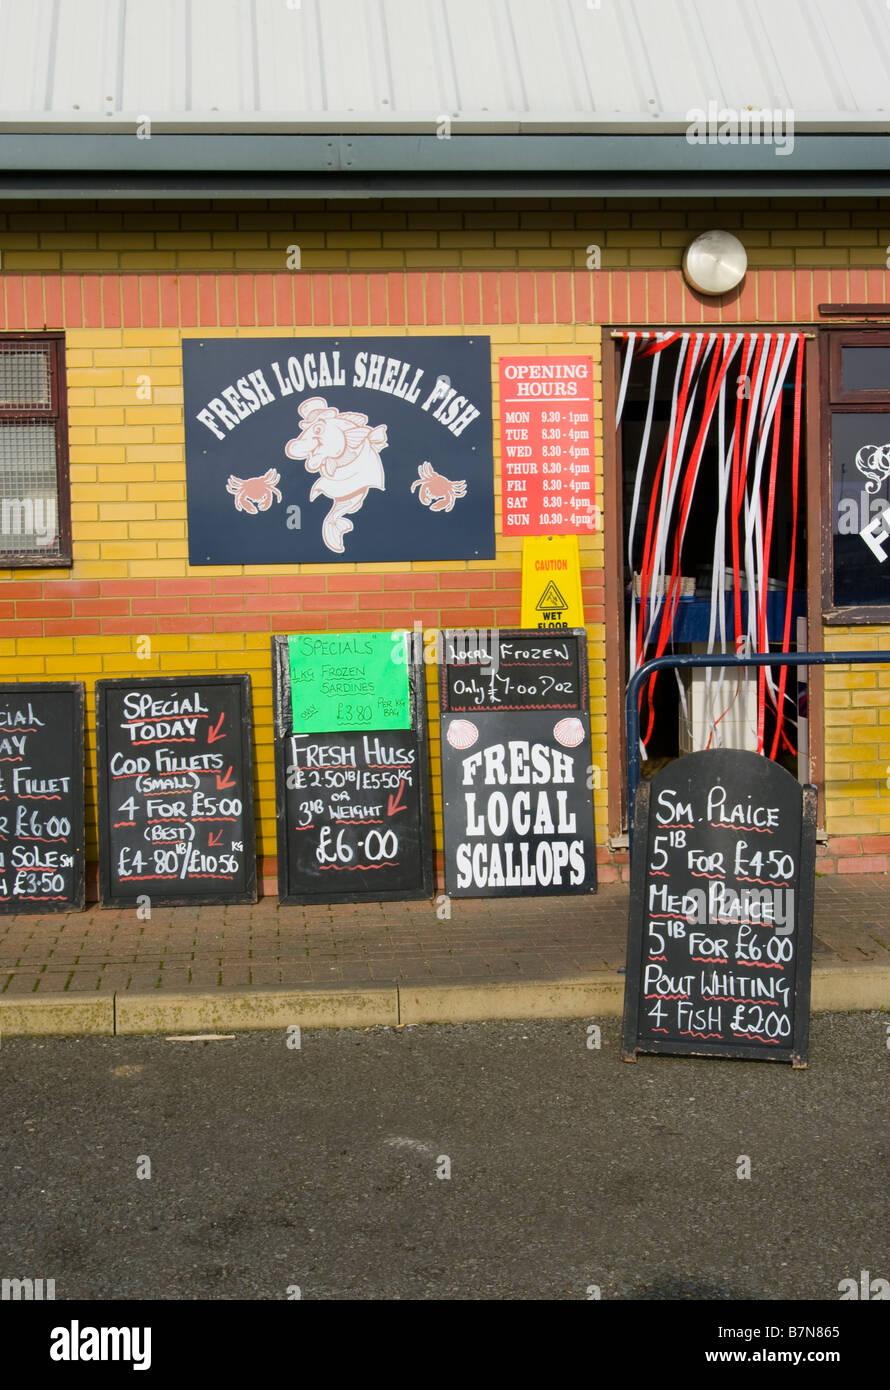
393 123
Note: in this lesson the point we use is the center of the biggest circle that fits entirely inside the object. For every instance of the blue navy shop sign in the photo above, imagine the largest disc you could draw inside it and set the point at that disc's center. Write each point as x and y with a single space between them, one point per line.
312 450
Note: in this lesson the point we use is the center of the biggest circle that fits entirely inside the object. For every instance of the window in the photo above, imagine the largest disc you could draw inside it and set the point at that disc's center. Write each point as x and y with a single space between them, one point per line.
856 564
35 510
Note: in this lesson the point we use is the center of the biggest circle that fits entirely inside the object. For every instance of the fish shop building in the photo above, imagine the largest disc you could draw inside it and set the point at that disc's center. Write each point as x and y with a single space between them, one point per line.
254 239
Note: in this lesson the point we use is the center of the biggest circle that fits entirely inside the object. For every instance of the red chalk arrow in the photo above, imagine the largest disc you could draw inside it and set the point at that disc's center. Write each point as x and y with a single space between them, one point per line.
213 731
214 838
395 803
227 781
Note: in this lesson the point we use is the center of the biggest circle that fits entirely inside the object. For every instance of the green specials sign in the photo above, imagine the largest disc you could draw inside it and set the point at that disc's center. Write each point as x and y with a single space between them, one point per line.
348 680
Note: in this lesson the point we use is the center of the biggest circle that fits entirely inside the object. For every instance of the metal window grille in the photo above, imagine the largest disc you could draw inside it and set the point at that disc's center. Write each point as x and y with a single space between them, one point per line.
25 378
34 509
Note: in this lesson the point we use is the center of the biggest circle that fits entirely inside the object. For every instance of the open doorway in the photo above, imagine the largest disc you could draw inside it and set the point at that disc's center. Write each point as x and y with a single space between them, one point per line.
710 471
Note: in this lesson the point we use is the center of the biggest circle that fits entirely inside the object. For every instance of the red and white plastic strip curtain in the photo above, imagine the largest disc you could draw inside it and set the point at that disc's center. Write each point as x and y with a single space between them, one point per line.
731 383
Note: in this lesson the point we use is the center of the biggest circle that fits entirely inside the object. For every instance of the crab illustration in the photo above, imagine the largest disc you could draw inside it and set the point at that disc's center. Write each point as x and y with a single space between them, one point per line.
254 494
436 492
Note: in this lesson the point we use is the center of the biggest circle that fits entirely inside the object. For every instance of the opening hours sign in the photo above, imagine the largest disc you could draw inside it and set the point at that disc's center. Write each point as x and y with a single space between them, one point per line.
546 414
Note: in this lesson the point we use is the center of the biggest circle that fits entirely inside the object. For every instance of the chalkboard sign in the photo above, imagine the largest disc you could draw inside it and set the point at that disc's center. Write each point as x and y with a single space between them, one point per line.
720 940
41 797
353 805
175 777
516 772
512 671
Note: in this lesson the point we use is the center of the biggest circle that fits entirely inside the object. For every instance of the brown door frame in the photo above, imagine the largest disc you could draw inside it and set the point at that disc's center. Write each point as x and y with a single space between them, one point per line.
833 337
613 580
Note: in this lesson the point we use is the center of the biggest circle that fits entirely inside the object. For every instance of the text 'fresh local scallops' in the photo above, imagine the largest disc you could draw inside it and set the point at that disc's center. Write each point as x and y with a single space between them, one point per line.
539 856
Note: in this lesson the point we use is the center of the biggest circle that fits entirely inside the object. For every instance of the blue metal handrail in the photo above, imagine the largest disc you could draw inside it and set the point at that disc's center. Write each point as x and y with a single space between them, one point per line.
663 663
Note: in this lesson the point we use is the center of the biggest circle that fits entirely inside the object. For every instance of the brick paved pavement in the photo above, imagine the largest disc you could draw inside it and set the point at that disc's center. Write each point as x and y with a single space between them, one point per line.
485 941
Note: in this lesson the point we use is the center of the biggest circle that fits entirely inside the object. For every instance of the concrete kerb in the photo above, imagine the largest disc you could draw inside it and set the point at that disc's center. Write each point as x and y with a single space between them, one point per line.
241 1009
601 995
849 988
835 989
59 1015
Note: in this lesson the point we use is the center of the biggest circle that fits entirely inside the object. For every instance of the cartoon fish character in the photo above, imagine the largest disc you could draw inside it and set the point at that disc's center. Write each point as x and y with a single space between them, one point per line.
344 451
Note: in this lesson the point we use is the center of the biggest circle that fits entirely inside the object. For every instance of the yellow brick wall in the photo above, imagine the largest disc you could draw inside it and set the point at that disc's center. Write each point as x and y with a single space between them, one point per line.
128 475
421 234
857 736
128 497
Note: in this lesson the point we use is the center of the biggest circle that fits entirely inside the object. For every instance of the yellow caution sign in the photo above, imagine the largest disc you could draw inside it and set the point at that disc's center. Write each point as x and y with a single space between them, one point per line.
551 582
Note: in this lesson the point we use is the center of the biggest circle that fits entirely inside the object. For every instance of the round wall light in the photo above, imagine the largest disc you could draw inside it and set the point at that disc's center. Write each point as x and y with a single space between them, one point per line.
715 262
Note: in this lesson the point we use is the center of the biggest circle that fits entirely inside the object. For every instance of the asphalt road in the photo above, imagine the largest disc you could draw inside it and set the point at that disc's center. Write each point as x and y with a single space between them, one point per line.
273 1167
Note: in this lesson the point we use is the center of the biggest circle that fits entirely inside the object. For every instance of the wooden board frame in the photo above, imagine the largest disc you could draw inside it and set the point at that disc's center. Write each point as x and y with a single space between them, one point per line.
486 715
282 717
106 897
796 1053
78 895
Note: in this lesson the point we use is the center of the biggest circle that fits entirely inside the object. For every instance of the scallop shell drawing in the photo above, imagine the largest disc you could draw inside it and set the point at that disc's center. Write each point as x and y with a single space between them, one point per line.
462 733
569 732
